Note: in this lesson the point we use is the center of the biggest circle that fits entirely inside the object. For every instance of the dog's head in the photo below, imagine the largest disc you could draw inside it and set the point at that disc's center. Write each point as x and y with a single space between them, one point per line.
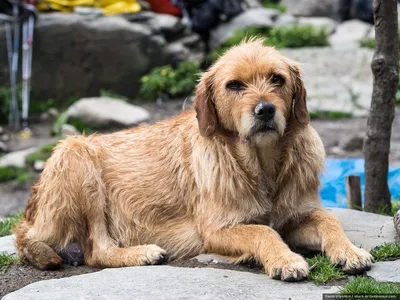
252 91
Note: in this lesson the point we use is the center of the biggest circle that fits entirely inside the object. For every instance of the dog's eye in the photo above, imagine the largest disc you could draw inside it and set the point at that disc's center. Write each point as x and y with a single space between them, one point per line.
278 80
236 85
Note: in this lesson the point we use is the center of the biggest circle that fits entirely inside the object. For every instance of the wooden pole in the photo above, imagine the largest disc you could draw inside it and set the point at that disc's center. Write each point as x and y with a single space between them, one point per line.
353 191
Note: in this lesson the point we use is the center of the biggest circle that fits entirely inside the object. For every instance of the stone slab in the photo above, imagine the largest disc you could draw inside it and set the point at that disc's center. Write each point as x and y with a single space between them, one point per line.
165 282
386 271
364 229
7 245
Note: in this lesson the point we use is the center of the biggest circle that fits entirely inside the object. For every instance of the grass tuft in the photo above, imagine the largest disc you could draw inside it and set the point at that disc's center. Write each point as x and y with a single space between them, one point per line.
330 115
111 94
274 5
8 223
295 36
13 173
395 207
386 251
6 260
43 154
365 285
322 270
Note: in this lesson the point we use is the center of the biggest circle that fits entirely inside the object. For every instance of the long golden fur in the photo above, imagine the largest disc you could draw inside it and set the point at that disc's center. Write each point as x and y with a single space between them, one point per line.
225 182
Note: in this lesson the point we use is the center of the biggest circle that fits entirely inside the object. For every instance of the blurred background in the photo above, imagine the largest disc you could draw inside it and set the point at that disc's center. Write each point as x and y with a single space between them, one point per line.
103 65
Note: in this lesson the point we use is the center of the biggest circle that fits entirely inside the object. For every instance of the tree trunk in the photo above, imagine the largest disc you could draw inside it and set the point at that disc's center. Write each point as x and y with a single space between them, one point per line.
377 141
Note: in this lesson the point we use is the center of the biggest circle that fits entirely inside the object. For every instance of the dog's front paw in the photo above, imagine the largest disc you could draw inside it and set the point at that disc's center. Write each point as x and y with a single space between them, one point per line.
291 267
152 255
352 259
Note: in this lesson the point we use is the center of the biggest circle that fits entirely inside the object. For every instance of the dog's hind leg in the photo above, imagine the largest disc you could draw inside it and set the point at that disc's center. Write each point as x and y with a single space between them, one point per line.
102 251
54 216
35 251
69 204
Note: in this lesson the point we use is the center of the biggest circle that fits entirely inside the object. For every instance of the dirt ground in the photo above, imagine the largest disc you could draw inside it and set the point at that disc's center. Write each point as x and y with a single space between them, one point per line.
18 276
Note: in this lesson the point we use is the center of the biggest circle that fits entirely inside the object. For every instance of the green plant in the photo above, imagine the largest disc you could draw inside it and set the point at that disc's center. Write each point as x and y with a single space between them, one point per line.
170 81
43 154
365 285
6 260
14 173
397 101
37 107
295 36
322 270
386 251
8 223
382 210
5 96
58 124
330 115
274 5
370 42
395 207
367 43
111 94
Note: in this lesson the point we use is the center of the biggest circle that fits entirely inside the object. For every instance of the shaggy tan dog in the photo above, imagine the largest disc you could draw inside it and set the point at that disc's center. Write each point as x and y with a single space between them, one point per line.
236 181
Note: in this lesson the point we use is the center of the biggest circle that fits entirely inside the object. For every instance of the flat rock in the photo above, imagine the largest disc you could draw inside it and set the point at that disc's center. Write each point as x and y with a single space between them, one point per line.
349 34
169 25
68 129
104 111
319 22
16 158
386 271
336 79
7 245
260 17
364 229
314 8
165 282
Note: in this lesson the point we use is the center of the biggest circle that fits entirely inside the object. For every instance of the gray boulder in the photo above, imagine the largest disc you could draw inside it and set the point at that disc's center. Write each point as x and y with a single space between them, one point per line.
16 158
168 25
336 79
76 55
103 111
349 34
319 22
68 129
261 17
312 8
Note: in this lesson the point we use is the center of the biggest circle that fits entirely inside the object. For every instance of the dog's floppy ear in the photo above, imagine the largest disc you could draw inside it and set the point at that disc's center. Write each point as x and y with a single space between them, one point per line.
205 107
300 111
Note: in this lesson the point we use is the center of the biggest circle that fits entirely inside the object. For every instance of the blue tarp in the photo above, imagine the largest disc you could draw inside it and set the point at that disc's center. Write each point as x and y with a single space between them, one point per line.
333 180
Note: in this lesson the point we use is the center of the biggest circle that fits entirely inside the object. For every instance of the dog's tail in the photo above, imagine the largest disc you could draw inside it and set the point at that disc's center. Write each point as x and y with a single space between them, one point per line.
56 213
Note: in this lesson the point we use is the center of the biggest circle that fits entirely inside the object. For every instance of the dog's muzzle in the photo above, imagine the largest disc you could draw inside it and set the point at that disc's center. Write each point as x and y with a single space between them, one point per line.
264 113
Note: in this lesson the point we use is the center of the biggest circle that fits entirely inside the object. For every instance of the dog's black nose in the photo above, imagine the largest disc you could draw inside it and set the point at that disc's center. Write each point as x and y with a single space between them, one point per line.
264 111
